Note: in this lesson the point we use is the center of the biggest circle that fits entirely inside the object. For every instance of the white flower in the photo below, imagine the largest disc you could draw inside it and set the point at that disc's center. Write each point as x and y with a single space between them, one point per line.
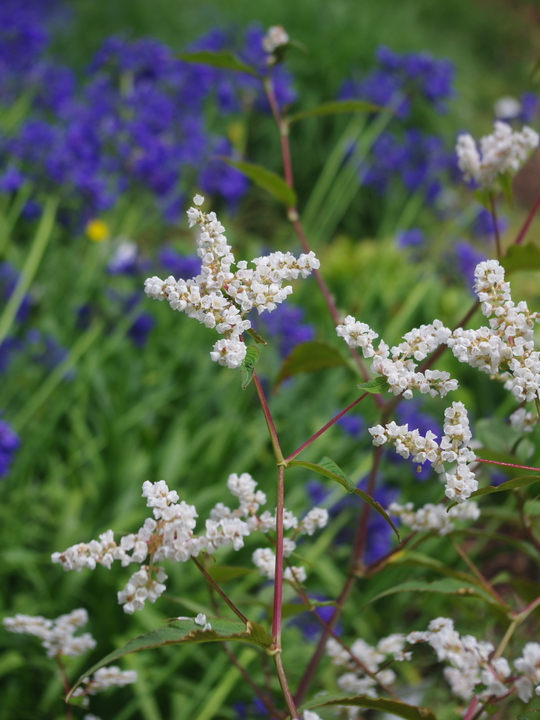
104 678
221 296
274 38
507 108
57 636
502 152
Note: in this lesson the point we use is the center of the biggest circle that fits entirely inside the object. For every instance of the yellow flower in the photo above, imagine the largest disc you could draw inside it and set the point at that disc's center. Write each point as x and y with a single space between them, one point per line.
97 230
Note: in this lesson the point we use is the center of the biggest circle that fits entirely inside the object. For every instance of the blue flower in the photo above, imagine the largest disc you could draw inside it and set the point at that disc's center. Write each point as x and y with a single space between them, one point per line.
9 442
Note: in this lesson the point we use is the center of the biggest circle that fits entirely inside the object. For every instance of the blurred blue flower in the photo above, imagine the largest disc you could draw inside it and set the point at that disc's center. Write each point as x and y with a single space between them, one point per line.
9 442
468 257
178 265
483 225
284 324
352 425
410 238
140 329
310 627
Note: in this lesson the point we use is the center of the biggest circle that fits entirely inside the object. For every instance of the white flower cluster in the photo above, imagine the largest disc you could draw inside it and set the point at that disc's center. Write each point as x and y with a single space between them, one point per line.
57 636
453 448
505 348
220 298
170 535
105 678
523 421
274 38
470 664
434 517
501 153
355 681
399 363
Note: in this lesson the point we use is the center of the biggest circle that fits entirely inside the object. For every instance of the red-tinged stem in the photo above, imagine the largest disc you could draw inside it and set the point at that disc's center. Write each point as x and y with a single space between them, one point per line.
528 220
325 428
293 216
497 462
269 420
470 710
484 581
495 225
355 566
278 579
219 591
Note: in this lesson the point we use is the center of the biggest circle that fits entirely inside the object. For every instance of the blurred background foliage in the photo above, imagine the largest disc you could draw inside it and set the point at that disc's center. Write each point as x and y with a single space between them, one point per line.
106 390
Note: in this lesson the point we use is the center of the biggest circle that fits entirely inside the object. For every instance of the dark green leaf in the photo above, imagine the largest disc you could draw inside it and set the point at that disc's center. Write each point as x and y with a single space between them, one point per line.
266 179
395 707
448 586
535 69
309 357
521 257
505 181
223 573
329 469
376 385
333 108
513 484
255 335
248 365
223 59
181 632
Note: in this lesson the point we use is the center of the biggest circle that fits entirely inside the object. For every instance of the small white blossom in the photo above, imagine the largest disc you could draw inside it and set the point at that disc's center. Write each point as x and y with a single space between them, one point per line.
221 296
501 153
57 636
523 421
274 38
434 517
105 678
507 108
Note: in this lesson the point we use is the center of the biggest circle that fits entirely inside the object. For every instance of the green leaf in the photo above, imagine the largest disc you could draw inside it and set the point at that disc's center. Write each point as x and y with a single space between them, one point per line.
248 365
266 179
329 469
448 586
535 69
255 335
376 385
482 196
223 59
521 257
181 632
309 357
395 707
223 573
333 108
505 181
513 484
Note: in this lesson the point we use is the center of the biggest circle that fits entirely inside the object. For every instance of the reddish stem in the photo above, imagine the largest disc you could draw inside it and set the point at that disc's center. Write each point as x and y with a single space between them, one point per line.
325 428
213 584
497 462
278 579
528 220
269 420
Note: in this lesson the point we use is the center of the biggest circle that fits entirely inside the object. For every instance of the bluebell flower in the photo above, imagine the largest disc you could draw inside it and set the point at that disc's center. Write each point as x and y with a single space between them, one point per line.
9 442
414 237
483 225
178 265
140 328
468 257
352 425
285 324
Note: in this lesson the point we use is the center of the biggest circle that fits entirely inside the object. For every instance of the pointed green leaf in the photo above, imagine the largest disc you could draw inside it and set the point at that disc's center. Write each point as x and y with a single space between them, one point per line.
223 573
333 108
181 632
521 257
376 385
535 69
448 586
309 357
482 196
266 179
223 59
329 469
255 335
513 484
248 365
395 707
505 181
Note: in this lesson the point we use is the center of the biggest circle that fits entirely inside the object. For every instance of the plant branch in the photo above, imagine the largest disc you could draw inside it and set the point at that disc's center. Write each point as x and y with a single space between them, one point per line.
528 220
219 591
269 420
325 428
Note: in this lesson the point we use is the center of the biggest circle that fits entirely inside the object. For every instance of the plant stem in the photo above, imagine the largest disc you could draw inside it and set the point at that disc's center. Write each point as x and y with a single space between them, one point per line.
354 567
291 706
528 220
484 582
497 462
278 577
269 420
219 591
493 207
323 429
